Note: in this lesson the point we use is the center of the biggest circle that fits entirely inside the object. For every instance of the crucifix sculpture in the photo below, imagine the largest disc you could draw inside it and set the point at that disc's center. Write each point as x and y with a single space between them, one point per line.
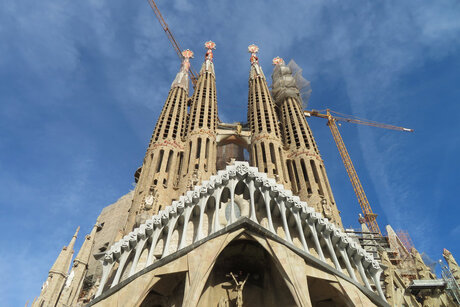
239 285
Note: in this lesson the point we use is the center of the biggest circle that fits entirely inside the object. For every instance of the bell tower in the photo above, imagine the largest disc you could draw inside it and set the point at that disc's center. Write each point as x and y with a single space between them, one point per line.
158 178
200 149
266 146
307 173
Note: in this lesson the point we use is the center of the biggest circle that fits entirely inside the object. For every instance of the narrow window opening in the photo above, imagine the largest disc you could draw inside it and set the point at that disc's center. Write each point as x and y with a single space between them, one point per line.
315 174
198 149
189 155
206 153
291 175
282 165
168 163
160 159
264 157
296 176
272 153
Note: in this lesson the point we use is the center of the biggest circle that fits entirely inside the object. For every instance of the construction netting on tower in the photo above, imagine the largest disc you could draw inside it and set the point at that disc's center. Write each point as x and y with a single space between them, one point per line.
289 82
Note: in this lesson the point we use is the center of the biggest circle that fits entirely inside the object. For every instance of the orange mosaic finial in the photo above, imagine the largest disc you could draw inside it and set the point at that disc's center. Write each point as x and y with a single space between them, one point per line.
187 54
277 61
253 49
210 45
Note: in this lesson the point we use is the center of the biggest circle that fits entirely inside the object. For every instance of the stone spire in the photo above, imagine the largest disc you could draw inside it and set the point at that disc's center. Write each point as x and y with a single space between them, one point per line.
307 173
200 150
423 271
52 287
266 146
453 266
74 282
159 175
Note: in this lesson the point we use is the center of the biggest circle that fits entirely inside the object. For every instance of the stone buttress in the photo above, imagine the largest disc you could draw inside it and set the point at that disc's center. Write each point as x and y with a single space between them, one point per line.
158 179
307 173
266 150
199 161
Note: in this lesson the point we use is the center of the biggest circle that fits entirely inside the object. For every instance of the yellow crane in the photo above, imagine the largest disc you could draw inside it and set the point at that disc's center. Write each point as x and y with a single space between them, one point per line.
171 38
332 118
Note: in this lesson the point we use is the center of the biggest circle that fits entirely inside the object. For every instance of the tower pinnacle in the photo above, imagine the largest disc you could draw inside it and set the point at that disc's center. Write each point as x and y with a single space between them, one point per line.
253 49
256 70
181 79
209 56
277 61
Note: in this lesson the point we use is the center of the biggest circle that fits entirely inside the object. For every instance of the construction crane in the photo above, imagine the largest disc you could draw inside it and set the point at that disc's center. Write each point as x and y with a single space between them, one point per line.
171 38
370 217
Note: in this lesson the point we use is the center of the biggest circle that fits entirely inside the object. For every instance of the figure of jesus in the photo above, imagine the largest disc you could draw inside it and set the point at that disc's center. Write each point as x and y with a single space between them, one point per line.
239 288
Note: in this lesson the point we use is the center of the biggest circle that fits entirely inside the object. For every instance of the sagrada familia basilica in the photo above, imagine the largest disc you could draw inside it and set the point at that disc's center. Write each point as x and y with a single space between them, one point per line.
237 215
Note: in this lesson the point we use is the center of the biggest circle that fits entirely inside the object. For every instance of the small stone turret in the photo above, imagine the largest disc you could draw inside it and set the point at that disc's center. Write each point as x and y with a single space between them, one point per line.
266 147
57 276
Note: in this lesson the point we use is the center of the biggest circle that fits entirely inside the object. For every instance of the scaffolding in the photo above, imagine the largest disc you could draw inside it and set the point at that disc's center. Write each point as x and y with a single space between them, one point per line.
452 286
406 240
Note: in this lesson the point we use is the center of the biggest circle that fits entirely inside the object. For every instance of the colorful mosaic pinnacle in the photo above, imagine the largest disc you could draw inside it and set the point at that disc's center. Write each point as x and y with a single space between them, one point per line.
277 61
210 45
187 54
253 49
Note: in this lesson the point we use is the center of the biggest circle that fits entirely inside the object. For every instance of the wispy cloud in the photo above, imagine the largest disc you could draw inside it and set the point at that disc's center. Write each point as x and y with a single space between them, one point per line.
84 83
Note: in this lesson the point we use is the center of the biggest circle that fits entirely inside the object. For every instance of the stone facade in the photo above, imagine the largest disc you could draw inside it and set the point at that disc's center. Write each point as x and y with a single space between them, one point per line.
204 228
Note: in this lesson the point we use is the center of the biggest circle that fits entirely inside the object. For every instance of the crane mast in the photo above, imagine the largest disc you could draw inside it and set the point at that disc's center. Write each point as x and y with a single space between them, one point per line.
171 38
369 216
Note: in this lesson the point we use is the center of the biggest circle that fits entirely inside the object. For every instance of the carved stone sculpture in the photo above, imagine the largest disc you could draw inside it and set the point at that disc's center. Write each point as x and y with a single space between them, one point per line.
239 285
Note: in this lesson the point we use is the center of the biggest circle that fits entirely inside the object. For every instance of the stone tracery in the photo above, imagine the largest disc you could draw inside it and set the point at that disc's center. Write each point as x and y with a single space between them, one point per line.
314 234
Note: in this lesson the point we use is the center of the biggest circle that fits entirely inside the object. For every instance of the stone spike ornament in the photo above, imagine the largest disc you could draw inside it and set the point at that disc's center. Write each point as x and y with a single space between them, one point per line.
253 50
209 45
277 61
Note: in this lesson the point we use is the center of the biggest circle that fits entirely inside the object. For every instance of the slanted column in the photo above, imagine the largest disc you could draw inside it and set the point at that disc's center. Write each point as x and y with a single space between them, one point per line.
159 176
199 161
307 173
266 147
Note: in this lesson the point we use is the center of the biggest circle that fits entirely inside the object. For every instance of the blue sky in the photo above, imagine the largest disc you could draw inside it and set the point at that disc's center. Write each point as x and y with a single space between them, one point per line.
82 84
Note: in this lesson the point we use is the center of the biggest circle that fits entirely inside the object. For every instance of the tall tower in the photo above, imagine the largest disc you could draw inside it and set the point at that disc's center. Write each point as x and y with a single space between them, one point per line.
306 170
200 148
57 276
266 146
158 179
